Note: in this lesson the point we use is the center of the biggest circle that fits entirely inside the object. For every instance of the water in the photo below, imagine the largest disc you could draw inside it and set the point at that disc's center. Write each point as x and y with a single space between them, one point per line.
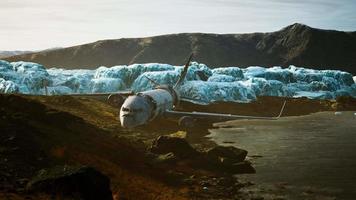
315 151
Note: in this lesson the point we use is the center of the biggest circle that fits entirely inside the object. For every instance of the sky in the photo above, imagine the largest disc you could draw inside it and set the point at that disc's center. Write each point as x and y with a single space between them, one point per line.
43 24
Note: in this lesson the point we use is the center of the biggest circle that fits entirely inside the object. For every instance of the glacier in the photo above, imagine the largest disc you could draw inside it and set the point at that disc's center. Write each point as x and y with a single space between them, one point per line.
202 83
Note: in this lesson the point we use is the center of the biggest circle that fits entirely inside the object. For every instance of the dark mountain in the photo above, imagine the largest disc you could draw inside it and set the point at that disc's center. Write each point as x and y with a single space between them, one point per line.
4 54
296 44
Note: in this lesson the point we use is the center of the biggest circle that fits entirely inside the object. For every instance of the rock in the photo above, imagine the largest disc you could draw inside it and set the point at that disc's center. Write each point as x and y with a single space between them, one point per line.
166 158
179 134
174 177
229 159
72 182
178 146
226 155
243 167
227 181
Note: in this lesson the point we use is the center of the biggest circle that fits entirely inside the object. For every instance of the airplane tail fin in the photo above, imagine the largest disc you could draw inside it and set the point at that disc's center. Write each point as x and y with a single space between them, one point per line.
184 72
155 84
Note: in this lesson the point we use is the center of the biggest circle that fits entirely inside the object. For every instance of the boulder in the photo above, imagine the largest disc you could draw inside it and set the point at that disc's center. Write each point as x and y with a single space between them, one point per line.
226 155
178 146
230 159
168 158
77 182
243 167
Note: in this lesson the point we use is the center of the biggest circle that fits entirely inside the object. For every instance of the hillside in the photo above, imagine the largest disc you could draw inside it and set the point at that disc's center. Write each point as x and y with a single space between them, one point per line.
40 132
296 44
4 54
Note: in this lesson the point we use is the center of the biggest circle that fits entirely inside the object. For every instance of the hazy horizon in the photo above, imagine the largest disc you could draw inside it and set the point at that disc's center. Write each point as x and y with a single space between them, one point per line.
44 24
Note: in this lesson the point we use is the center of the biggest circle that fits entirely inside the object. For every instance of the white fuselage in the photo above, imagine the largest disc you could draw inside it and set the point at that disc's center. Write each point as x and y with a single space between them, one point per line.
145 106
162 101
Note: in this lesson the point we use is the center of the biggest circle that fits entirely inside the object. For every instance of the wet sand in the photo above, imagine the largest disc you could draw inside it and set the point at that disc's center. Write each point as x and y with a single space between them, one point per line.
308 154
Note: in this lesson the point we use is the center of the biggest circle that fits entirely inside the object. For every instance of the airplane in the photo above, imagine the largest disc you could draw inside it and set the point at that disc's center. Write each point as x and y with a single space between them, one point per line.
144 107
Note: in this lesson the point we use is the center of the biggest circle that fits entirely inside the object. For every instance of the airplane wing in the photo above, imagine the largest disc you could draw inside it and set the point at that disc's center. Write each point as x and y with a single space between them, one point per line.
219 116
115 99
192 100
124 93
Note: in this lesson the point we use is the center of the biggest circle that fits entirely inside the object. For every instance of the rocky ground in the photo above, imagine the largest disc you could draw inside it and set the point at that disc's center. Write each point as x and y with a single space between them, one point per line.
48 142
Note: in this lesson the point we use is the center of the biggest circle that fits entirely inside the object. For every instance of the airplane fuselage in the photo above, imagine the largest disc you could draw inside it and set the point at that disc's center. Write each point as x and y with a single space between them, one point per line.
146 106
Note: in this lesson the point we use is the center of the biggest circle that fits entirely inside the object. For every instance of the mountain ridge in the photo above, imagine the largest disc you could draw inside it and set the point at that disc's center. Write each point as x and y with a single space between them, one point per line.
296 44
4 54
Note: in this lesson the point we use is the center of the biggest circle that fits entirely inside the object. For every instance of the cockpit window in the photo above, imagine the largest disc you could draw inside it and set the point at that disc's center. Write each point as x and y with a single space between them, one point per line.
132 110
125 109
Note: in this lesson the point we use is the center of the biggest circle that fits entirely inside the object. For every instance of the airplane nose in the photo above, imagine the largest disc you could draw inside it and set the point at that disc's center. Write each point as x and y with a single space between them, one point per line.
127 121
134 112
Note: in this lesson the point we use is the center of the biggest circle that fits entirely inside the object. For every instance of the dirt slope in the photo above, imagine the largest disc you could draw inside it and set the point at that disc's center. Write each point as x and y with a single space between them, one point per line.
35 135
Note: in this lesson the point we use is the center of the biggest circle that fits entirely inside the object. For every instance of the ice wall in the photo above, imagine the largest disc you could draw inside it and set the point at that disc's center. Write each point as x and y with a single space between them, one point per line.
202 83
